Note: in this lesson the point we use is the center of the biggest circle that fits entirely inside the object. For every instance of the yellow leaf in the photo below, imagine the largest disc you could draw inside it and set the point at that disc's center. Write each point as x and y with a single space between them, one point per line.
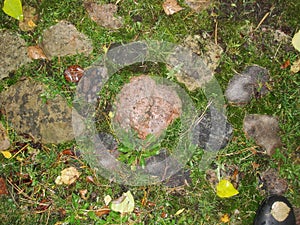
6 154
179 211
13 8
225 218
124 204
225 189
296 41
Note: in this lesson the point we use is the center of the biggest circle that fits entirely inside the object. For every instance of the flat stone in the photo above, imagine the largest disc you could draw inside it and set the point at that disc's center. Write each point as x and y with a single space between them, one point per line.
27 112
13 53
252 82
63 39
272 183
264 130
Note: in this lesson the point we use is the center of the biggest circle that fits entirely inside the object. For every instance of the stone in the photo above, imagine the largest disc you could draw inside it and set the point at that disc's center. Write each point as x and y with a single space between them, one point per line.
64 39
103 14
47 121
252 82
264 130
272 183
13 53
146 107
4 139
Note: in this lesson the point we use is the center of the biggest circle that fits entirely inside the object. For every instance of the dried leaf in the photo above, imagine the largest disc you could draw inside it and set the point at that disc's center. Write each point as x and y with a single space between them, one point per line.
225 218
103 211
107 199
225 189
68 176
35 52
3 188
30 19
295 68
198 5
179 211
296 41
73 73
124 204
171 6
286 64
13 8
6 154
83 194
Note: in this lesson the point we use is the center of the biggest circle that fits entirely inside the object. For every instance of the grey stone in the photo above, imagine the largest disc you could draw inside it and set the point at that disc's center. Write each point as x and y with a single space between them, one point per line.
13 53
243 87
48 122
264 130
63 39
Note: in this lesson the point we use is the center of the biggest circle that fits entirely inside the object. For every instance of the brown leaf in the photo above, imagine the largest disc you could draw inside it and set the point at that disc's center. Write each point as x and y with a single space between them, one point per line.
103 211
83 194
35 52
68 176
73 73
171 6
68 152
3 188
285 64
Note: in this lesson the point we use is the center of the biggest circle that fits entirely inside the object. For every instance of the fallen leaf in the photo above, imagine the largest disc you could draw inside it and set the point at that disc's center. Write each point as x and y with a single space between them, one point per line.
107 199
30 19
285 64
6 154
3 188
171 6
103 211
35 52
295 68
68 176
179 211
124 204
13 8
296 41
73 73
225 189
83 194
225 218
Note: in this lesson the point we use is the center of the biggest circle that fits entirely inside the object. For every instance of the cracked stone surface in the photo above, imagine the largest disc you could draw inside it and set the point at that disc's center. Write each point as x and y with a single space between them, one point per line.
13 53
146 107
48 122
252 82
64 39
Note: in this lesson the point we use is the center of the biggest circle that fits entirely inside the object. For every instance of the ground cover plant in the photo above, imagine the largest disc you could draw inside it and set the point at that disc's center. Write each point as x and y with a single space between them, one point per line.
249 32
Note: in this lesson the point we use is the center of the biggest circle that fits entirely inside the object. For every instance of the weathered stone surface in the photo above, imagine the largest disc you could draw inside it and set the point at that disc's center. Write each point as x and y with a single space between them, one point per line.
48 122
63 39
272 183
146 107
243 87
13 53
103 14
264 130
4 139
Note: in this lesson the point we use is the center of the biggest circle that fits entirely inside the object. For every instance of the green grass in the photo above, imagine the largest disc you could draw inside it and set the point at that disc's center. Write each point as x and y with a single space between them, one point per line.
30 178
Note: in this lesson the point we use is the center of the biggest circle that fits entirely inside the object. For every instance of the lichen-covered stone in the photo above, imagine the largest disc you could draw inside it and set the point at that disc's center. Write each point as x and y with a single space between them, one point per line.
13 53
64 39
48 122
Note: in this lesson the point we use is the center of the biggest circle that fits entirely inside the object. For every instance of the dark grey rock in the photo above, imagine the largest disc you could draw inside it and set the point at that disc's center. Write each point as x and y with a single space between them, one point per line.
250 83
